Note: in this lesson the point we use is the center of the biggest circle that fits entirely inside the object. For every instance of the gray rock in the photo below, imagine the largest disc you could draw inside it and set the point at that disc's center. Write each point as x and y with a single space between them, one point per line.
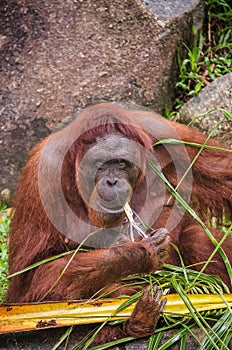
61 56
217 95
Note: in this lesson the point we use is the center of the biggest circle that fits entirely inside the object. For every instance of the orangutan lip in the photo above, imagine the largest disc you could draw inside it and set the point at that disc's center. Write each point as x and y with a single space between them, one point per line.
111 211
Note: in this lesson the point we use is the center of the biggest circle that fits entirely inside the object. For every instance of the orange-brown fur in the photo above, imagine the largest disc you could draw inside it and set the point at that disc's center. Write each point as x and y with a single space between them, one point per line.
33 237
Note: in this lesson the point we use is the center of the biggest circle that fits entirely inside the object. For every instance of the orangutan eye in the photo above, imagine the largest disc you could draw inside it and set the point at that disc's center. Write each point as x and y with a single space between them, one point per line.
121 164
99 164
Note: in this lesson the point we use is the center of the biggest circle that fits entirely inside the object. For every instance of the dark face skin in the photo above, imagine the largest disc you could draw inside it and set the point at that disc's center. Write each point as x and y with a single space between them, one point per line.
107 177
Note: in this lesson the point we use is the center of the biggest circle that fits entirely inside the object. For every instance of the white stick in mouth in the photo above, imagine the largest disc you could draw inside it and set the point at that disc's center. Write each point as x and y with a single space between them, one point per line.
133 224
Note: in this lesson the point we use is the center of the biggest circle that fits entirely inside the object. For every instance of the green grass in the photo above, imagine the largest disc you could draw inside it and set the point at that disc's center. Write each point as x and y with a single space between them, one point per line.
4 229
210 55
215 325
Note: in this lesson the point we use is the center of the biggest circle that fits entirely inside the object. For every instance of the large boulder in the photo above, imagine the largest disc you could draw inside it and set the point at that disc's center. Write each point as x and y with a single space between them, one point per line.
59 56
205 110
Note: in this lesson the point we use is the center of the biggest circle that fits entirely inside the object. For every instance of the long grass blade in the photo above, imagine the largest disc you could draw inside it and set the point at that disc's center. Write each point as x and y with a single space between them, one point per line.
193 144
195 216
220 328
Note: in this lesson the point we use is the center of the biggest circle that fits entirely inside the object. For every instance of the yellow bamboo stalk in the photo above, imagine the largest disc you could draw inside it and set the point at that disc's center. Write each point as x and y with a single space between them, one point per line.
25 317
